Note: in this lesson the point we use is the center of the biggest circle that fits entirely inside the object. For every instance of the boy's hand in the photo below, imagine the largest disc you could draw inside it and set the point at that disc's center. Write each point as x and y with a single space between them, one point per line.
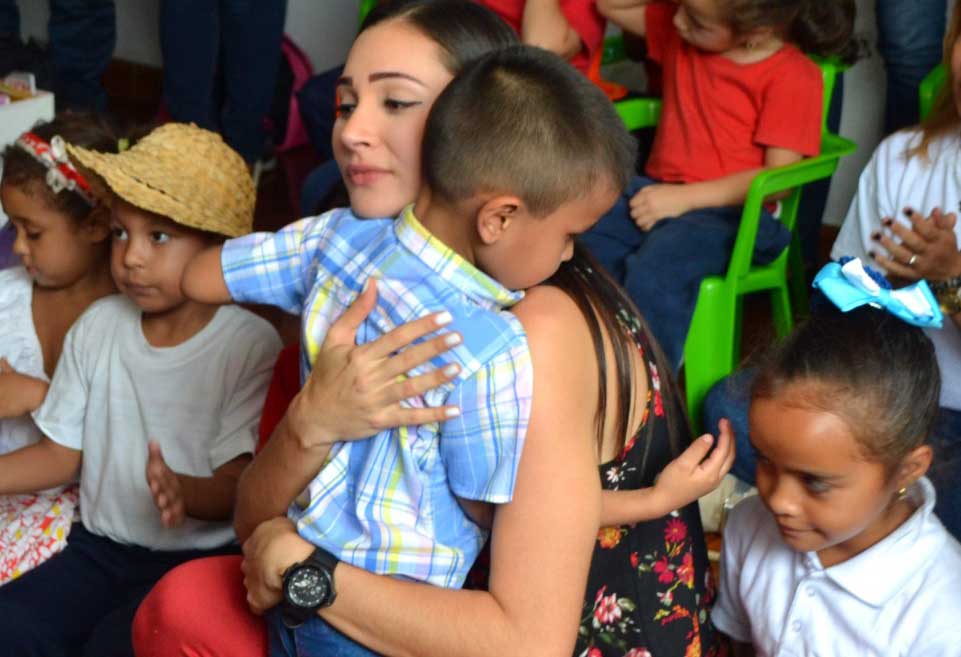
355 391
268 553
165 487
19 393
656 202
691 476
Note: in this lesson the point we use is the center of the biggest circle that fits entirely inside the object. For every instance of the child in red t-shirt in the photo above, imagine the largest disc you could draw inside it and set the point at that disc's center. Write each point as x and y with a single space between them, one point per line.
571 28
740 96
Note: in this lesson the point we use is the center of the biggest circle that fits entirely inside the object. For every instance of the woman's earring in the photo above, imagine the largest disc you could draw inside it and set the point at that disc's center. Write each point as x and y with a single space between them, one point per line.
902 493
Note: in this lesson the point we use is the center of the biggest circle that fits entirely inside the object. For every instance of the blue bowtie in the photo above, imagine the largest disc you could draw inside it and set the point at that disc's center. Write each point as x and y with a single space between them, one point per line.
849 284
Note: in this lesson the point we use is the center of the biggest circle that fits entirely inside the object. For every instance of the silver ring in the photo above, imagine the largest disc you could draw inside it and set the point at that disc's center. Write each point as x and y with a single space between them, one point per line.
913 259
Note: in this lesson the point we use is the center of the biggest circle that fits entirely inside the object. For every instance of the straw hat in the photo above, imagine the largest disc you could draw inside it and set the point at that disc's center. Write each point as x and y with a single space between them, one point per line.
182 172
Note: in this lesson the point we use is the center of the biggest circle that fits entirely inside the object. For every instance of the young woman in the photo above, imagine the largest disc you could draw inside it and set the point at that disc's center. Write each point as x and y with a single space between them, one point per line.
557 498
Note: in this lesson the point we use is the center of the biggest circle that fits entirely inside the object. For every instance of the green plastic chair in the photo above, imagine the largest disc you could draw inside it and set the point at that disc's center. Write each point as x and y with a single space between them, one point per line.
930 88
365 7
712 349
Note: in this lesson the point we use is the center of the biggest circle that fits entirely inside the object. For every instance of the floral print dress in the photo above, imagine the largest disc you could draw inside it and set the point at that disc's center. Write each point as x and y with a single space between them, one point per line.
650 586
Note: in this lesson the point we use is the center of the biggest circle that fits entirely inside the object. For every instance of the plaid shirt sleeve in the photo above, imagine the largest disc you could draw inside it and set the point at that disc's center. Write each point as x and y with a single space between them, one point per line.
274 268
482 447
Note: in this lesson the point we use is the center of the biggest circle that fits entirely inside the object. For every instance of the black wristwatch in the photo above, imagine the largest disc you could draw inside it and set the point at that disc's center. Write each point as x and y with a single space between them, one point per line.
308 586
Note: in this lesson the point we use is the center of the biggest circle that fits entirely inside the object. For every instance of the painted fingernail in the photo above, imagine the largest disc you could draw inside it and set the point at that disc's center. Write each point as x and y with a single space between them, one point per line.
451 370
452 412
708 438
452 338
888 222
908 212
443 318
872 255
876 235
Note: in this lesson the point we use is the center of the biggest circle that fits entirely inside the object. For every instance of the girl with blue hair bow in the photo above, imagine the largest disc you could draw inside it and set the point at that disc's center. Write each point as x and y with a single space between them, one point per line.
840 553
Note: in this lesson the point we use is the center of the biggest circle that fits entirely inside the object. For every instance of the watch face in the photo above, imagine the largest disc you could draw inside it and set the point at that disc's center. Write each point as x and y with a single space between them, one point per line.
307 587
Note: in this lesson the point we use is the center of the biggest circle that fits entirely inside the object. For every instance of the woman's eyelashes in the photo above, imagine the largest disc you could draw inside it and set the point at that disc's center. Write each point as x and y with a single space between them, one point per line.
393 105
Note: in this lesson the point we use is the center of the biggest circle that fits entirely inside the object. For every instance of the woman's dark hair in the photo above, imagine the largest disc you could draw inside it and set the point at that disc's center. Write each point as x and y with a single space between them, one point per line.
867 367
608 309
818 27
464 30
22 170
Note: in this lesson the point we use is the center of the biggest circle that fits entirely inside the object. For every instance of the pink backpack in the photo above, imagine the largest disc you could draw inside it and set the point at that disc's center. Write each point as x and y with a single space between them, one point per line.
284 121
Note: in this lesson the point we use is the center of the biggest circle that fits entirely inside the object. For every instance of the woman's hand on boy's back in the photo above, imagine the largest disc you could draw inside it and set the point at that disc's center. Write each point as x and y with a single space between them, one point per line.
19 393
354 391
691 476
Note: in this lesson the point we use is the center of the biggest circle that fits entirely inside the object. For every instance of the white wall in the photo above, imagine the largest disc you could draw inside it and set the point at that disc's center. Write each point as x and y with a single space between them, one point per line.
323 28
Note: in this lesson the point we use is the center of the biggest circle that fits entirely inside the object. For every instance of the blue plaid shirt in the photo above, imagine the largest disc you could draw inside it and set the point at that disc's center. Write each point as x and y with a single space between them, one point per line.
388 503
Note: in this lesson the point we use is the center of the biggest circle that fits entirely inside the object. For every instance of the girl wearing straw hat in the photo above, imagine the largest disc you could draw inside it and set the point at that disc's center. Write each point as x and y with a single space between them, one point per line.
159 396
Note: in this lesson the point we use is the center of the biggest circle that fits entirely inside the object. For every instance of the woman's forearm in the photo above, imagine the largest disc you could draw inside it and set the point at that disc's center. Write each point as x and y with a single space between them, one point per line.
275 478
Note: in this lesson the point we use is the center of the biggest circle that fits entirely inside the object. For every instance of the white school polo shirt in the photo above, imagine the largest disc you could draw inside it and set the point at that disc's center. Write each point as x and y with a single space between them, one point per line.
901 597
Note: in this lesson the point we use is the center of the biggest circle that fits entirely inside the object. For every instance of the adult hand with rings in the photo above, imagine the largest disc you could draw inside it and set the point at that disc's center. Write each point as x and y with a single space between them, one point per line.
927 248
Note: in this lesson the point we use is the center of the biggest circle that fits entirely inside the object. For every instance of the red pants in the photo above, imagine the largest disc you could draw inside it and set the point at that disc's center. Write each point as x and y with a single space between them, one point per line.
199 609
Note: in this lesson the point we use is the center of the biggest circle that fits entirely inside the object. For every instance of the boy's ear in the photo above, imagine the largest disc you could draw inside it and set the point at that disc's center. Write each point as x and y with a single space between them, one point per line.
495 216
914 466
97 223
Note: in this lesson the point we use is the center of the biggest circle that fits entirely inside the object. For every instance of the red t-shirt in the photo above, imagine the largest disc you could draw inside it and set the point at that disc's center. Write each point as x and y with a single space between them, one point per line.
718 116
581 14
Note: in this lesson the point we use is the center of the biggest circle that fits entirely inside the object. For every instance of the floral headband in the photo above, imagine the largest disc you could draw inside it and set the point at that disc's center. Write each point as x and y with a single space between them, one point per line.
849 284
61 174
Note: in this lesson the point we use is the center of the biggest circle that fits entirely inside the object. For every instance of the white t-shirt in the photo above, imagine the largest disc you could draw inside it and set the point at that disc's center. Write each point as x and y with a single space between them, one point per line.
21 347
889 183
201 400
899 598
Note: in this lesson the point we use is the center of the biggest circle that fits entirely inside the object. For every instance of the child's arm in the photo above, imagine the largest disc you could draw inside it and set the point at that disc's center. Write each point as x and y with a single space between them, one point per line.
663 201
178 496
19 393
203 279
628 15
685 479
545 26
42 465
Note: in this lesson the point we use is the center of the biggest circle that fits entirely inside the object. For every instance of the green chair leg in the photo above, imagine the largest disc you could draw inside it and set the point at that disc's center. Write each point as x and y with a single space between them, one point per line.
781 311
709 352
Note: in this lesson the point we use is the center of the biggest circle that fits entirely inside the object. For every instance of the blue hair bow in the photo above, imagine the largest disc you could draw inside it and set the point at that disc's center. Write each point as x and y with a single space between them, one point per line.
849 284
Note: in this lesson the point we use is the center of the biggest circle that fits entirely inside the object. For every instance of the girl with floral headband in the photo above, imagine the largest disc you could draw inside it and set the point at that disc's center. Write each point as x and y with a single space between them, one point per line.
61 241
841 553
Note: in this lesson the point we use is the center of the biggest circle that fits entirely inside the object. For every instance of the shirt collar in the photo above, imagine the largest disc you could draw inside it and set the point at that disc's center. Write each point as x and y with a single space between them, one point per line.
899 556
451 266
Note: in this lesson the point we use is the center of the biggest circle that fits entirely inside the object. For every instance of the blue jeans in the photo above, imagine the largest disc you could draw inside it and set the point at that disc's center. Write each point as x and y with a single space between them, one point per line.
662 269
83 34
83 600
240 39
910 40
730 398
315 638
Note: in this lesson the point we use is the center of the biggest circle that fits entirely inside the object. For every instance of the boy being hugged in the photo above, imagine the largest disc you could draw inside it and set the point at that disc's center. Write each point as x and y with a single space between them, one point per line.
157 394
521 154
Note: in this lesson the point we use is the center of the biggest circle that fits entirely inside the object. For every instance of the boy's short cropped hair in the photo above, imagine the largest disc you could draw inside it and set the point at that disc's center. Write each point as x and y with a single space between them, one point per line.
523 121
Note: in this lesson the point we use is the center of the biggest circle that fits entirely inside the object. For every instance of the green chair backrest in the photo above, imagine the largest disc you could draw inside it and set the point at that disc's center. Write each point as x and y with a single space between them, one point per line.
365 7
930 88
